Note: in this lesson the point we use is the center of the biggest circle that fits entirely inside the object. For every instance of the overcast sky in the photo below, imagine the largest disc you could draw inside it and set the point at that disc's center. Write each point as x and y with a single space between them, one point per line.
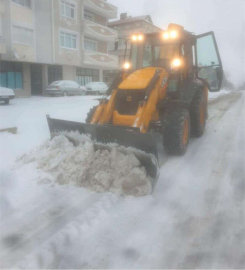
225 17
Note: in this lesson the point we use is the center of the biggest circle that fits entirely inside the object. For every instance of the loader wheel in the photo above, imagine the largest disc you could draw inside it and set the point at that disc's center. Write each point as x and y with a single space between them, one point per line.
198 114
176 131
90 114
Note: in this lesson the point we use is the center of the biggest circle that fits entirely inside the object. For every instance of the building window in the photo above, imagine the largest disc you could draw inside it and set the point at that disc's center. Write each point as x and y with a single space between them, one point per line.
86 75
54 74
90 45
23 3
11 75
67 10
88 16
68 40
23 35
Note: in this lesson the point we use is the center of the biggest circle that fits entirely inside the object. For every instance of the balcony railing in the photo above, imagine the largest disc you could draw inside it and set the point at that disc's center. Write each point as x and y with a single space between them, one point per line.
101 59
102 8
99 32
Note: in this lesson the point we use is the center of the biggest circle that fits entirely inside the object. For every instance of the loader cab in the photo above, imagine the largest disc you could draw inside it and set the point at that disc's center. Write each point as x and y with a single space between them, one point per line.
183 55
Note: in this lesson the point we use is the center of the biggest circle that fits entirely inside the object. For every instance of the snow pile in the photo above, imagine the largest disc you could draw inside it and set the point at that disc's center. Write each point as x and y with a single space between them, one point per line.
215 95
78 163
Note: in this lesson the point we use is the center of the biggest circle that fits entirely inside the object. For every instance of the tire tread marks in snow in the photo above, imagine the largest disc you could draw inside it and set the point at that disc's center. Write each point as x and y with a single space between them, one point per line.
50 253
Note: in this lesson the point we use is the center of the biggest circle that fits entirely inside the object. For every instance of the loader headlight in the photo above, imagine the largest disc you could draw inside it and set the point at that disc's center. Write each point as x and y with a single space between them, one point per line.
166 35
134 38
126 65
171 34
140 37
137 37
176 63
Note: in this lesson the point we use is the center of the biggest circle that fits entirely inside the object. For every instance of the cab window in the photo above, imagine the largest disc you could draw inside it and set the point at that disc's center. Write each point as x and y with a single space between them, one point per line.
134 55
208 61
147 56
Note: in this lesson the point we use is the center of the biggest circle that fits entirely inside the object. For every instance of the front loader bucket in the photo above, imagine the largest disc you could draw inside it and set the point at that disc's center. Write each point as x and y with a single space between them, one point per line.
143 145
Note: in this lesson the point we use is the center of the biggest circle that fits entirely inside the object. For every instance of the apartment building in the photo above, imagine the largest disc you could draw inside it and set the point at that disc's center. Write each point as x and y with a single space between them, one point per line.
46 40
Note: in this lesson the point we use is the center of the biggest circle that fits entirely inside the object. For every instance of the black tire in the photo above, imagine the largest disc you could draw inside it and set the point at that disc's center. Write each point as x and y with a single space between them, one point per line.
65 94
198 113
176 131
90 114
6 101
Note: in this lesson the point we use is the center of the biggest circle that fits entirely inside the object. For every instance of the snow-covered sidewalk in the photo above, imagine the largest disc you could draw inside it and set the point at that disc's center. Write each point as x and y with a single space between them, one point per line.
193 219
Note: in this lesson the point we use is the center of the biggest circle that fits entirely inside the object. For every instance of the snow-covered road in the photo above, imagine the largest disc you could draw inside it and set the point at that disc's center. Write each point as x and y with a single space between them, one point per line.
193 219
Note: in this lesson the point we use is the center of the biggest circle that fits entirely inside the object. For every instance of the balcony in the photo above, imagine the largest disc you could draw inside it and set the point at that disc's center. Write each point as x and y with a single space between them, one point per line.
99 32
3 47
100 59
102 8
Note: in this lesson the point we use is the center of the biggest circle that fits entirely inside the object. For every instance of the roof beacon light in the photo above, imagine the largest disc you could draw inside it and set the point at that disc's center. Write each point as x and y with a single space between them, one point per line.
137 38
140 37
173 34
166 35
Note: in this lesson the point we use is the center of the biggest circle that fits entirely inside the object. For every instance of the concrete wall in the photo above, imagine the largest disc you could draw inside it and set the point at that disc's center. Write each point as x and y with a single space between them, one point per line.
69 73
6 31
25 52
21 14
102 46
65 56
43 31
26 91
44 78
23 17
100 20
130 28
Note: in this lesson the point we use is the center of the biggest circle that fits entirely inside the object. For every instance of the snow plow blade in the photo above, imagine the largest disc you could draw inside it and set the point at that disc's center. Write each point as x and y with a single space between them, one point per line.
142 145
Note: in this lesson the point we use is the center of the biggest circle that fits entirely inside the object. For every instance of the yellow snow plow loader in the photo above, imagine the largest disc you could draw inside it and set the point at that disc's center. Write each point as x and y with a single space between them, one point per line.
161 89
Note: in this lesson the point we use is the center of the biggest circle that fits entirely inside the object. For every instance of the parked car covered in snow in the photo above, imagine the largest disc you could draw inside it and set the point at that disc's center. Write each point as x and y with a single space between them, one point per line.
65 88
6 94
97 88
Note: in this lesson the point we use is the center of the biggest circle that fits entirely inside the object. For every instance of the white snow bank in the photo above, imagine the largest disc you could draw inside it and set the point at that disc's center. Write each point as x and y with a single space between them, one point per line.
214 95
82 165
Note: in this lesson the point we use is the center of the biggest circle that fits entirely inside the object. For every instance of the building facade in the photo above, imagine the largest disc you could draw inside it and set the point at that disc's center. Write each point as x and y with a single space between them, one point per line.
48 40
